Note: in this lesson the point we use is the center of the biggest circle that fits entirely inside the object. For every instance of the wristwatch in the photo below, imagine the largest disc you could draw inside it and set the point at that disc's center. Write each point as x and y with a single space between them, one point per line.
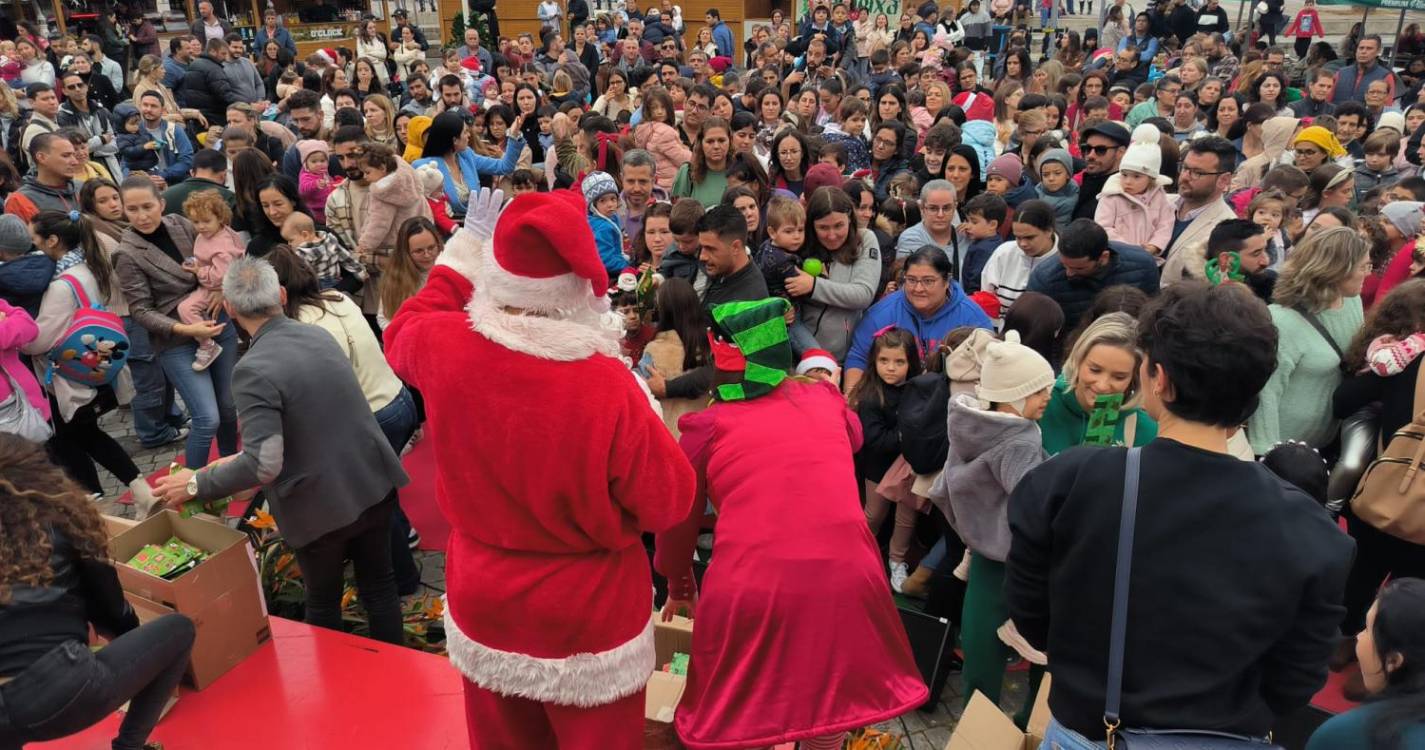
193 484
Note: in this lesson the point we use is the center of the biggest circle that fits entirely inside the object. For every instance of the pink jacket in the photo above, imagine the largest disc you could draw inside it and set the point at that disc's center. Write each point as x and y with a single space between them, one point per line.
214 255
661 140
1136 219
17 328
314 189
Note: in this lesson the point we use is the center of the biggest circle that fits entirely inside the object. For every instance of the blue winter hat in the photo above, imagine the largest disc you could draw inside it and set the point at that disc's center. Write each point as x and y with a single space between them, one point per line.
596 185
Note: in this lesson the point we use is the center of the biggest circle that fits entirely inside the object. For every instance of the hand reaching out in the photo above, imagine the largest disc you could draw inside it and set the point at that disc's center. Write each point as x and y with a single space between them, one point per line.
484 211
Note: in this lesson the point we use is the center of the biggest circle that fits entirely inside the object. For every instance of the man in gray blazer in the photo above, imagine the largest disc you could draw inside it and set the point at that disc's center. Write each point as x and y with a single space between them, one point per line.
310 440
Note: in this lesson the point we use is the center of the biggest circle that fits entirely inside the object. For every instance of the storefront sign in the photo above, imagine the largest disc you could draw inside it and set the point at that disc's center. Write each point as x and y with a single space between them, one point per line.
892 8
320 32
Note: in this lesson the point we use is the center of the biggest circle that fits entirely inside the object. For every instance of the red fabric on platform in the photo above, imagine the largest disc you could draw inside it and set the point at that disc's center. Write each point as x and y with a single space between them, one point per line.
312 689
418 497
1330 698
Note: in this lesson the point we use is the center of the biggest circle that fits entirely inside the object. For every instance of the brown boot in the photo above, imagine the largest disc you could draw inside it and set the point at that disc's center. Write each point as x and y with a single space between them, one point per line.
1343 655
917 584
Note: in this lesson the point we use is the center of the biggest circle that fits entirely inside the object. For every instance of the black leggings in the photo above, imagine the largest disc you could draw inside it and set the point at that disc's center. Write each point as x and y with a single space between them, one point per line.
366 542
71 688
78 443
1302 46
1378 556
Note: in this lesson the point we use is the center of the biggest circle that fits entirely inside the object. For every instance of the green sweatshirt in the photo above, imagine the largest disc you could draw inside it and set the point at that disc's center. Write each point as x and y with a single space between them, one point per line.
1065 421
1296 401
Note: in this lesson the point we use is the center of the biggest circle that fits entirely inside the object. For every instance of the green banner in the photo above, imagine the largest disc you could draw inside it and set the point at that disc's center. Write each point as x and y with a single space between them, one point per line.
892 9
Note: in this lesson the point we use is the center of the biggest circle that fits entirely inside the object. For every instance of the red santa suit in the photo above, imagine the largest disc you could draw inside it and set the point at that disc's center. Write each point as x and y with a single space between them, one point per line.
551 463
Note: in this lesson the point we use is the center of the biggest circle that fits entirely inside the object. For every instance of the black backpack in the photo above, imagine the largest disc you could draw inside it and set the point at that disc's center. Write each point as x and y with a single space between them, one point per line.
920 419
13 138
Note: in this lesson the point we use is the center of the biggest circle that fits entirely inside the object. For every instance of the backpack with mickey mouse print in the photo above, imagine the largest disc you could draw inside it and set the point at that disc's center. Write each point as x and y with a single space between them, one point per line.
94 348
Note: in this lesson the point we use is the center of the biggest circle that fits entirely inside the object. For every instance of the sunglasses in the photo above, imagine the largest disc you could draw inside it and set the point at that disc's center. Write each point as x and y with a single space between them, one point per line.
1097 150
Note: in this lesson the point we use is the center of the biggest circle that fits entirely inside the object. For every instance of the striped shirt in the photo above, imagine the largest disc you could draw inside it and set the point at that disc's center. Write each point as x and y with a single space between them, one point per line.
1007 273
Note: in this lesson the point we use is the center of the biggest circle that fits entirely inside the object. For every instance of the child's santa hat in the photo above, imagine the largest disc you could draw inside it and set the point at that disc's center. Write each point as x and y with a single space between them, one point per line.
813 359
977 106
1144 155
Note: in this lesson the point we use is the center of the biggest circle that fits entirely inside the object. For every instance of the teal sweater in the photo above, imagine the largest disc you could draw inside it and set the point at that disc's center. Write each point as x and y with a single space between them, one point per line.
1296 402
708 192
1065 421
1352 731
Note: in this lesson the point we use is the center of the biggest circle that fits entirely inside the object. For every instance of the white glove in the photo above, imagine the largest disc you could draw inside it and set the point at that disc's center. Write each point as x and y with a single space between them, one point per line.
483 211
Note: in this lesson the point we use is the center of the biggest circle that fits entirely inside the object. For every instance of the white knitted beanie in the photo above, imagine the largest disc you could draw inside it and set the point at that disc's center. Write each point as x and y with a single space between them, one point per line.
1011 372
1144 155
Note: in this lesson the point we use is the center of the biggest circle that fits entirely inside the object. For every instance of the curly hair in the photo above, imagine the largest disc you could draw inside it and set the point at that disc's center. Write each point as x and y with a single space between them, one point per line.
209 204
35 498
1400 314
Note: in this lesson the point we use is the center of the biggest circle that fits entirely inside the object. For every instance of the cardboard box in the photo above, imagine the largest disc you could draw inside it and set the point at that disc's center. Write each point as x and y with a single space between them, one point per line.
665 689
984 727
222 595
116 525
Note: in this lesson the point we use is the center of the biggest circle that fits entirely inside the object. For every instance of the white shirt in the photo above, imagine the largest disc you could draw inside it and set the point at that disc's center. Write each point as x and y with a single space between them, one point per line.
1007 273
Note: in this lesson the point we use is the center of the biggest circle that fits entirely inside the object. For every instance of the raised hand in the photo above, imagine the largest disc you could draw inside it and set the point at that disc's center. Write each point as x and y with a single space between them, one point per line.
483 211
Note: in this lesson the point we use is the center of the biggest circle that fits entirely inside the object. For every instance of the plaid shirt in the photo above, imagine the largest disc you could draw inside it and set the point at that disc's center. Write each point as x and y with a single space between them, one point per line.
328 257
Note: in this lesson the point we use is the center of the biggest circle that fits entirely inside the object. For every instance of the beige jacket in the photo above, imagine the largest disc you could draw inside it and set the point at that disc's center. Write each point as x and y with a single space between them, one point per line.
1182 263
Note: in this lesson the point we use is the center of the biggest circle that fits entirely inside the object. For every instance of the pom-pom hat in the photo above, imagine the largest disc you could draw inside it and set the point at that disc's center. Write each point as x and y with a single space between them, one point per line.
1144 155
1011 372
542 253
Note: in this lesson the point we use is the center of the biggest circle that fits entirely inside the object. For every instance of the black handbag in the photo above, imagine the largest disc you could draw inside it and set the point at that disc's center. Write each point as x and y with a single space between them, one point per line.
1120 738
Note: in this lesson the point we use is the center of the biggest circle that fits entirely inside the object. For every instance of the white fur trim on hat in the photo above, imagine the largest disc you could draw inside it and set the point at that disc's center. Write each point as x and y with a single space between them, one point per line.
816 361
583 680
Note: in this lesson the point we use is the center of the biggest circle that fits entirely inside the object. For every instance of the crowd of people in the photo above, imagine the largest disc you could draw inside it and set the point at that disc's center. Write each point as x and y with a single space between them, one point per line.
951 284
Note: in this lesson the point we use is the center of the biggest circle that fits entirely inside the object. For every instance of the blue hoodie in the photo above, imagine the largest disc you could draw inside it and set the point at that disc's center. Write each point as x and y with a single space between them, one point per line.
895 310
980 135
23 281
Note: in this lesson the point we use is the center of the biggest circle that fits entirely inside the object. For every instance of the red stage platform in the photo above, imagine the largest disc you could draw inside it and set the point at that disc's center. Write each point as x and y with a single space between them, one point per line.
312 689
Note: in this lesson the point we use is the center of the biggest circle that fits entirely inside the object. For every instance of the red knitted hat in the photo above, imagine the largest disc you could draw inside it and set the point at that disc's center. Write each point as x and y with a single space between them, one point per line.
542 242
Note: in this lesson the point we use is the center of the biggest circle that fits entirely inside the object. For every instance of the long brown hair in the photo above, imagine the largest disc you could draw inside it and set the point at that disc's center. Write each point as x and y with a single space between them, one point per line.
402 279
75 232
824 202
1400 314
640 243
699 170
35 498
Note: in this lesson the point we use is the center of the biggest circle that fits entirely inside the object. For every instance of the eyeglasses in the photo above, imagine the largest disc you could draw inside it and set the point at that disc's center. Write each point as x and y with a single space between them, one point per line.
1192 174
948 208
922 282
883 142
1030 133
1097 150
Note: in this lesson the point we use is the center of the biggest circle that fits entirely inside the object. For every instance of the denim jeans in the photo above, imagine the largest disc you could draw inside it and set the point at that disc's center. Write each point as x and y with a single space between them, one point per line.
366 542
71 688
1059 737
398 423
155 418
801 338
208 394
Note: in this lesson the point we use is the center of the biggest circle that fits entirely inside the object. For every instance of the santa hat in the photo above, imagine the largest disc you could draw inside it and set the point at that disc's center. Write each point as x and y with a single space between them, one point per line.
327 54
816 358
471 64
987 302
1144 155
977 106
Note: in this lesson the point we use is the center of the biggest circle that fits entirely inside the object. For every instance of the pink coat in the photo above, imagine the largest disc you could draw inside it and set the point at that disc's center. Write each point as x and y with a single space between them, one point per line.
661 140
393 199
17 328
797 635
214 255
314 189
1136 219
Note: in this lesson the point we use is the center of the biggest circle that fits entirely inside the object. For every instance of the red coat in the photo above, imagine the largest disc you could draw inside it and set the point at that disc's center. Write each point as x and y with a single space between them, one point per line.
549 470
796 633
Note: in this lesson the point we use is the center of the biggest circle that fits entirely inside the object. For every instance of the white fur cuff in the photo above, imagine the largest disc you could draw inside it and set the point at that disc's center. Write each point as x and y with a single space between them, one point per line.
582 680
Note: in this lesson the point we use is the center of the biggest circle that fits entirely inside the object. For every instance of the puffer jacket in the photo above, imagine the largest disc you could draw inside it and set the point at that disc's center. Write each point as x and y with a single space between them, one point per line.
980 135
1135 219
206 88
989 453
393 199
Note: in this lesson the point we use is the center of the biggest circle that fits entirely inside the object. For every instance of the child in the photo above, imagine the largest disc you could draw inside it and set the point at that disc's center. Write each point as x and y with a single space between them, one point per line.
882 74
682 262
1004 174
680 345
847 132
994 442
433 183
322 251
601 194
10 66
1268 210
137 148
1056 188
1133 207
637 331
215 247
876 398
1299 464
778 259
983 215
818 364
525 181
314 183
835 155
1377 168
1306 25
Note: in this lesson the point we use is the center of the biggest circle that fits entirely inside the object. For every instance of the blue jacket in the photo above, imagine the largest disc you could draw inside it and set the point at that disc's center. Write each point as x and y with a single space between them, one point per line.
283 38
1147 50
608 238
1348 88
894 309
473 165
23 281
173 72
174 148
976 257
722 37
1128 264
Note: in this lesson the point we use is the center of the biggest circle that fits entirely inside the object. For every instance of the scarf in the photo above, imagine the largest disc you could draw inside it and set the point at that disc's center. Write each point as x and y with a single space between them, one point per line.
70 260
1388 355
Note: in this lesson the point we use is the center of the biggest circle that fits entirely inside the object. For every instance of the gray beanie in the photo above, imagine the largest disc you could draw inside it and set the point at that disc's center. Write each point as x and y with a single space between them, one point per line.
1058 155
14 235
597 185
1405 215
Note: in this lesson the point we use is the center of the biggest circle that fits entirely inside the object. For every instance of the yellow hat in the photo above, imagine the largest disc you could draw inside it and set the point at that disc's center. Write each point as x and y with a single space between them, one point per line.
1321 138
416 137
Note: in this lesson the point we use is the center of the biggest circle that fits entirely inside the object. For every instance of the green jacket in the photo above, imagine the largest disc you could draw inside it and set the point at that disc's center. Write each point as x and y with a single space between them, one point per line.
1064 422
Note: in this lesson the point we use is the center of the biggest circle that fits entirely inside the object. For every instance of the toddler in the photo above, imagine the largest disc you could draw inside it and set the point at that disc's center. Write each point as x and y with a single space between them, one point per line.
525 181
876 399
1299 464
1268 210
315 183
818 364
682 262
778 258
1004 174
137 148
1056 168
1377 167
322 250
984 215
601 194
1133 207
433 184
215 247
10 66
847 132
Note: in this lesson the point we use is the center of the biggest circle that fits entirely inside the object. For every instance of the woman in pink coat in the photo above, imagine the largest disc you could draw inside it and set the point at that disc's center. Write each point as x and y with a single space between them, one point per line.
658 135
17 329
1133 207
796 636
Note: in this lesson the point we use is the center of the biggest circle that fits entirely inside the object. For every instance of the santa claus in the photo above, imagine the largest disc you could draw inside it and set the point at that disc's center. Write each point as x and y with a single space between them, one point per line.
551 463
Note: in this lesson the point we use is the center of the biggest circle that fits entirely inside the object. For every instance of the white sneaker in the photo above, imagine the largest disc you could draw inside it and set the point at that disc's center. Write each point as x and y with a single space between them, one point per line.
899 573
205 356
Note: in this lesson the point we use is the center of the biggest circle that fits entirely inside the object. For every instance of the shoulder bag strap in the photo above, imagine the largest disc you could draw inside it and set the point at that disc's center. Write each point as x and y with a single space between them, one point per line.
1123 566
1321 329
